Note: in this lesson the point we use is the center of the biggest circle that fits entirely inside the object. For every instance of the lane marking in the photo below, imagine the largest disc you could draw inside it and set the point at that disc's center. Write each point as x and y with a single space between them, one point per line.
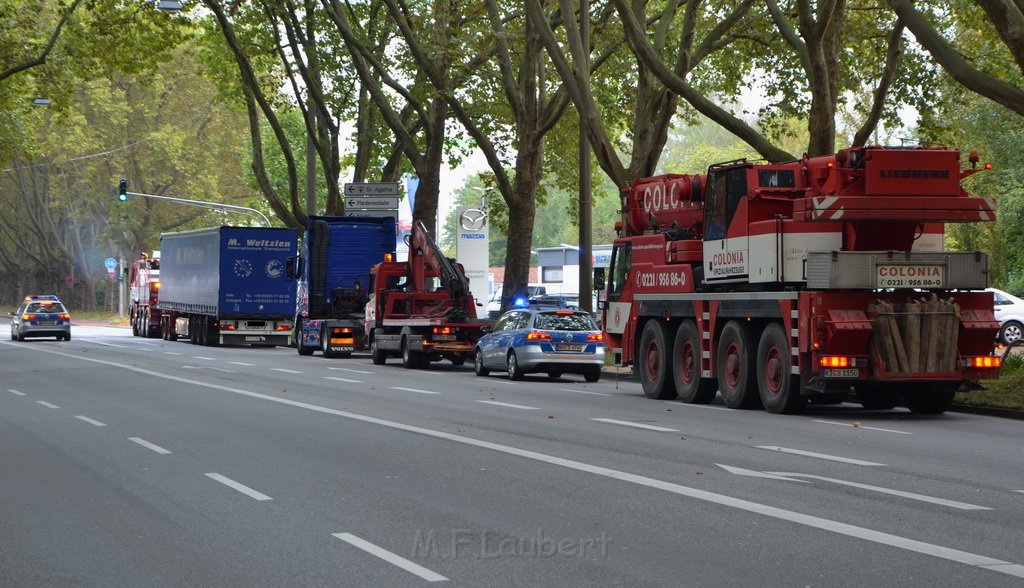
208 367
16 393
346 380
502 382
849 460
254 494
910 495
856 426
47 404
172 353
507 405
90 421
149 445
797 518
584 392
757 474
287 371
416 390
95 342
392 558
241 363
350 370
704 406
637 425
204 358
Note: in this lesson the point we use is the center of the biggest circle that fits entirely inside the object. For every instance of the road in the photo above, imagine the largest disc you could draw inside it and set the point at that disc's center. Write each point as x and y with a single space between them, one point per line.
140 462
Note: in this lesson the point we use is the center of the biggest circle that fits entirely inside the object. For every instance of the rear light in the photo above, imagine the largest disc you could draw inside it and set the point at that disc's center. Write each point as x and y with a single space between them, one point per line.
28 317
565 312
65 316
836 361
443 330
284 327
227 326
341 330
535 336
595 337
152 301
154 285
983 361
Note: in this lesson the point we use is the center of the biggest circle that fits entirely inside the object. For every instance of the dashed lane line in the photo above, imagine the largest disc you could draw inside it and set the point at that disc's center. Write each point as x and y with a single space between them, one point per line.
507 405
860 426
254 494
416 390
148 445
93 422
16 393
346 380
825 456
47 404
392 558
637 425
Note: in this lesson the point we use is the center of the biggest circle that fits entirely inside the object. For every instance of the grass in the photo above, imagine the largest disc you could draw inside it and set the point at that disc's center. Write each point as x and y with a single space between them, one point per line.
1006 392
99 315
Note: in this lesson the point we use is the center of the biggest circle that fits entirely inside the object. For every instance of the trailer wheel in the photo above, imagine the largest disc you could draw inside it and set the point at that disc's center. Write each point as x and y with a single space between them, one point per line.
686 354
736 367
653 365
478 364
929 398
134 319
779 390
378 356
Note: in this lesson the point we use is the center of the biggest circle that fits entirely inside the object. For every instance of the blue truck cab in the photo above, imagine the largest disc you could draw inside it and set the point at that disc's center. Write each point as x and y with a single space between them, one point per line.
333 274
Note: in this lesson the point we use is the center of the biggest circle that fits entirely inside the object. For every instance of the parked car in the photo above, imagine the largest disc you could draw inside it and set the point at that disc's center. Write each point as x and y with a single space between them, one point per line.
494 303
550 340
1010 313
41 316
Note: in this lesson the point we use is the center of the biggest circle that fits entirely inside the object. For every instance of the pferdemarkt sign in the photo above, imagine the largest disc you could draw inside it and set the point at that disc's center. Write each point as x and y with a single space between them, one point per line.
371 189
372 202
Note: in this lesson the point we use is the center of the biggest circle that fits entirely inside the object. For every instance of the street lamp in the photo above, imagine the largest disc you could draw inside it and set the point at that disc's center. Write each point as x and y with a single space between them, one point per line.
168 5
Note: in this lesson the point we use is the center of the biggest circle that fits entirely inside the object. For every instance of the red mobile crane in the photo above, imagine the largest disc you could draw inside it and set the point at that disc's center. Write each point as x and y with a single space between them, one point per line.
422 309
143 287
782 284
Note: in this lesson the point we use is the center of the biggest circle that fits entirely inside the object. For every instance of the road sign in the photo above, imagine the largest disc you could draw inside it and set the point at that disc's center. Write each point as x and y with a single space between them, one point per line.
372 202
110 263
372 189
360 212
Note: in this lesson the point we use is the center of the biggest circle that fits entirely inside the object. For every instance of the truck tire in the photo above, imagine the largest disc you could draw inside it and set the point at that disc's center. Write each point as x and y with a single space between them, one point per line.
929 398
411 360
686 354
593 374
778 388
378 356
653 364
325 342
302 349
736 367
478 364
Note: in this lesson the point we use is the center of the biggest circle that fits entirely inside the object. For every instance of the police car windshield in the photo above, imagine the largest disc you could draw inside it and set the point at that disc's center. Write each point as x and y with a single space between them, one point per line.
564 322
45 307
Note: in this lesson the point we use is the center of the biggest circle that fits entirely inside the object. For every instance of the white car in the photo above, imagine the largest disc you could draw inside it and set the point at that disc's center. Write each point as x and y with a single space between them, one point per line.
494 304
1010 314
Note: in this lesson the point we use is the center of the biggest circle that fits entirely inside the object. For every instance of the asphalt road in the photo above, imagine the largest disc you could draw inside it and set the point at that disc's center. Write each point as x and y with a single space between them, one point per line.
139 462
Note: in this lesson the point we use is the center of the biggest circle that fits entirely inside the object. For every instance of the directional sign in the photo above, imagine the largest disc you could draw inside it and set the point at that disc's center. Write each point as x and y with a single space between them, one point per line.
358 212
372 202
372 189
110 263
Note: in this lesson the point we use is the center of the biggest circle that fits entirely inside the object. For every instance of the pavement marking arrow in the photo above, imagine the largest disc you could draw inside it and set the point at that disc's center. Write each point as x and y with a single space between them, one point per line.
756 474
901 493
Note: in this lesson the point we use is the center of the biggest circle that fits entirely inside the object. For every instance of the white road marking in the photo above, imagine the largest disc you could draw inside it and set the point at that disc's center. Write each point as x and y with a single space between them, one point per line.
149 445
910 495
241 363
1021 491
208 367
47 404
100 342
503 382
346 380
416 390
254 494
704 406
16 393
863 427
584 392
820 455
90 421
350 370
507 405
797 518
757 474
637 425
287 371
392 558
172 353
430 373
204 358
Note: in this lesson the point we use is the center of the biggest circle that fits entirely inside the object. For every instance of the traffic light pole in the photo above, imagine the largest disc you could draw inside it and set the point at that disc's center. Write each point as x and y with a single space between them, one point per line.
204 204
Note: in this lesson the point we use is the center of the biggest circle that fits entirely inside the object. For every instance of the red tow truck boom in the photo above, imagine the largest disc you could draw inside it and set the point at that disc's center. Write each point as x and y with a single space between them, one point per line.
783 284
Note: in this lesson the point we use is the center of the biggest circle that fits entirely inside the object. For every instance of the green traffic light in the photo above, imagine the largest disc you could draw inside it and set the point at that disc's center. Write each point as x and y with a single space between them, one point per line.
122 190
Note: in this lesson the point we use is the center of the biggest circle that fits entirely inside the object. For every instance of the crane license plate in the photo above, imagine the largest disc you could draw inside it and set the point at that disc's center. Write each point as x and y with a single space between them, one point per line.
840 373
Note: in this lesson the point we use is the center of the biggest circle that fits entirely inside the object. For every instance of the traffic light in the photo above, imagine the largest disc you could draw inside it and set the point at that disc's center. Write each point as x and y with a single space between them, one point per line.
122 190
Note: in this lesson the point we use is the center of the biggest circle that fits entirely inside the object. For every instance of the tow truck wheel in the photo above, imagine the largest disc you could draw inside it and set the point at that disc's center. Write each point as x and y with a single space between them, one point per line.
686 354
653 365
478 364
378 356
736 367
411 360
930 398
779 390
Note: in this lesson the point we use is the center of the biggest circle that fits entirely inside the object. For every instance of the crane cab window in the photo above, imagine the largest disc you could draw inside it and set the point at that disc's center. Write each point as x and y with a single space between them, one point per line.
618 269
726 187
